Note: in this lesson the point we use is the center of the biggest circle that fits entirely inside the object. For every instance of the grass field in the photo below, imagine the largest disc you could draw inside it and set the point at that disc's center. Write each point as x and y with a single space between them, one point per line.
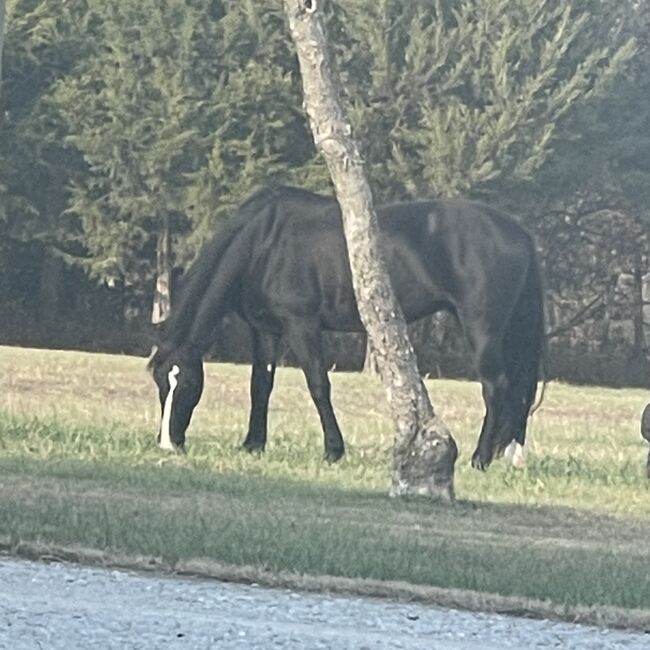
78 465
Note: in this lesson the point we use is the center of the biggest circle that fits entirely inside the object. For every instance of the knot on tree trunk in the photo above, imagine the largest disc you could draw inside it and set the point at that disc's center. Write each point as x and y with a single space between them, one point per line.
425 466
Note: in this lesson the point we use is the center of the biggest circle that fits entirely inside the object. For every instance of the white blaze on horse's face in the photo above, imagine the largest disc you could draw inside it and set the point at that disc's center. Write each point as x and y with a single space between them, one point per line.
165 438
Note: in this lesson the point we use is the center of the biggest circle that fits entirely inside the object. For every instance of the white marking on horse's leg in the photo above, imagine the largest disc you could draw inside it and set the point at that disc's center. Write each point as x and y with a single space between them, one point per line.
165 438
519 457
516 454
269 368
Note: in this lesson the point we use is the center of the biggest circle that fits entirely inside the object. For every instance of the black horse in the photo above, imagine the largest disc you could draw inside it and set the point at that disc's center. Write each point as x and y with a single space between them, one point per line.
281 264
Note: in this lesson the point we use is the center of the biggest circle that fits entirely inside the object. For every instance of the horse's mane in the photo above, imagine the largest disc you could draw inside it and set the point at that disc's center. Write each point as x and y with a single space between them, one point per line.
195 282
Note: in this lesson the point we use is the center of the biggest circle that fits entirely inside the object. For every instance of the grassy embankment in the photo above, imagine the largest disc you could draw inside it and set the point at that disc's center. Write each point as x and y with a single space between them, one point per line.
78 467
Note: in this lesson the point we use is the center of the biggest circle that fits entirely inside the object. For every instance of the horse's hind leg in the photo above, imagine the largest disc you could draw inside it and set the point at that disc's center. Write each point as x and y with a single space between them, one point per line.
262 375
304 338
489 442
488 352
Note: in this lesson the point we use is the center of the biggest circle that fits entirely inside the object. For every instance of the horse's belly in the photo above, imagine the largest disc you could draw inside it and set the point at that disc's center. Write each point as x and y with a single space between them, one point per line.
338 310
343 315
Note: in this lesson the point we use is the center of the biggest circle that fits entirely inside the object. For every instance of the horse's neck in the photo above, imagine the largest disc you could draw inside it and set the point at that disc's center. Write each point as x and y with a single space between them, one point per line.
214 304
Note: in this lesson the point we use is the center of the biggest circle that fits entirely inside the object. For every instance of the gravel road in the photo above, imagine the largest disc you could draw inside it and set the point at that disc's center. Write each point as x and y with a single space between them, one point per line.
53 606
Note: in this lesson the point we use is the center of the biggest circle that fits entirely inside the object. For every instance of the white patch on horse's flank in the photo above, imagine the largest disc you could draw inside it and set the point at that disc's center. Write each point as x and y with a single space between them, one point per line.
516 454
165 438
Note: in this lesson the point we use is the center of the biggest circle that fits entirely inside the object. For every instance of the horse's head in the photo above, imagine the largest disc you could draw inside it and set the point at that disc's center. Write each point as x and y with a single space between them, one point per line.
178 373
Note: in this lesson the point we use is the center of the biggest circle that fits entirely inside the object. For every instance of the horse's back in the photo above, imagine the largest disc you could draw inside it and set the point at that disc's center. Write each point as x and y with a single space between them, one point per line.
454 252
439 253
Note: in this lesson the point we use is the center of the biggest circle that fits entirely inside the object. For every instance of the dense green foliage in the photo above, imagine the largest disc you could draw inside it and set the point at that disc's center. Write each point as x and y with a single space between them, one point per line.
124 118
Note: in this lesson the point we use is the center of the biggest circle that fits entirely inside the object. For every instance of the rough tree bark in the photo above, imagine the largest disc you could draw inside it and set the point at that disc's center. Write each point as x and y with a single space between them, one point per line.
369 361
162 291
424 451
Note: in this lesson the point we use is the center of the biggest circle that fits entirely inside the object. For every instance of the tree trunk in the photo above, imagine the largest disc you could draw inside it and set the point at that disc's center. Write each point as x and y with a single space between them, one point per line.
424 451
605 323
637 302
162 291
50 287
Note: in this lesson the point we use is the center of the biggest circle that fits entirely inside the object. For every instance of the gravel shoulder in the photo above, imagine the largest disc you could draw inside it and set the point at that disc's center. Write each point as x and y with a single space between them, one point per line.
60 605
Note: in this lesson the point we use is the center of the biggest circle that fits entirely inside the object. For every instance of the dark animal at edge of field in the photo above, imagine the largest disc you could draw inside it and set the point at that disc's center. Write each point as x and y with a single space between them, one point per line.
281 264
645 432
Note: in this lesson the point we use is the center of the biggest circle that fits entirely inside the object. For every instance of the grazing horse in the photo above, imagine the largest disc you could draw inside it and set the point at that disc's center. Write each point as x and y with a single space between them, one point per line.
281 264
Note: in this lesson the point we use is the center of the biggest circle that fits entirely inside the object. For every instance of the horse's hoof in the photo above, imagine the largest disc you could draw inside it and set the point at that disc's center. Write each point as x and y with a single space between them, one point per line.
334 455
172 447
252 448
480 463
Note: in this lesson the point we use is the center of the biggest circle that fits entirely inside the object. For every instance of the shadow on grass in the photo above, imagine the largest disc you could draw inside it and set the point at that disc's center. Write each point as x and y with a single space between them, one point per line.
558 554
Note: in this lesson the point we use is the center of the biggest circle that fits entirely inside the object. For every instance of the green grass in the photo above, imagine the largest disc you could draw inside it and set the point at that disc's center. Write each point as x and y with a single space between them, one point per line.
178 514
585 448
78 465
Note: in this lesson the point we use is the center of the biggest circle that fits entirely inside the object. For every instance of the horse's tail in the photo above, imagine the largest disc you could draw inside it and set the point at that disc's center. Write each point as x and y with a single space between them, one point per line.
525 343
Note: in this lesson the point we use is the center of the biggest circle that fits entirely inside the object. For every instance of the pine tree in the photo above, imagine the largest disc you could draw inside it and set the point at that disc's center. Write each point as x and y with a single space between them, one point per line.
255 132
42 44
591 199
469 98
183 108
133 110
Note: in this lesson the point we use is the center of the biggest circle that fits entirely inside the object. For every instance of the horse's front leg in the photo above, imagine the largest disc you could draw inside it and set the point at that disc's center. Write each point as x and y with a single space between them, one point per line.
262 376
304 337
319 387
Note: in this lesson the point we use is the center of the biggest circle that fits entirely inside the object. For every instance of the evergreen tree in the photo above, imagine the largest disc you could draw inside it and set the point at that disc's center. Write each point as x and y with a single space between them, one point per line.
184 106
131 110
470 98
598 182
40 47
255 128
